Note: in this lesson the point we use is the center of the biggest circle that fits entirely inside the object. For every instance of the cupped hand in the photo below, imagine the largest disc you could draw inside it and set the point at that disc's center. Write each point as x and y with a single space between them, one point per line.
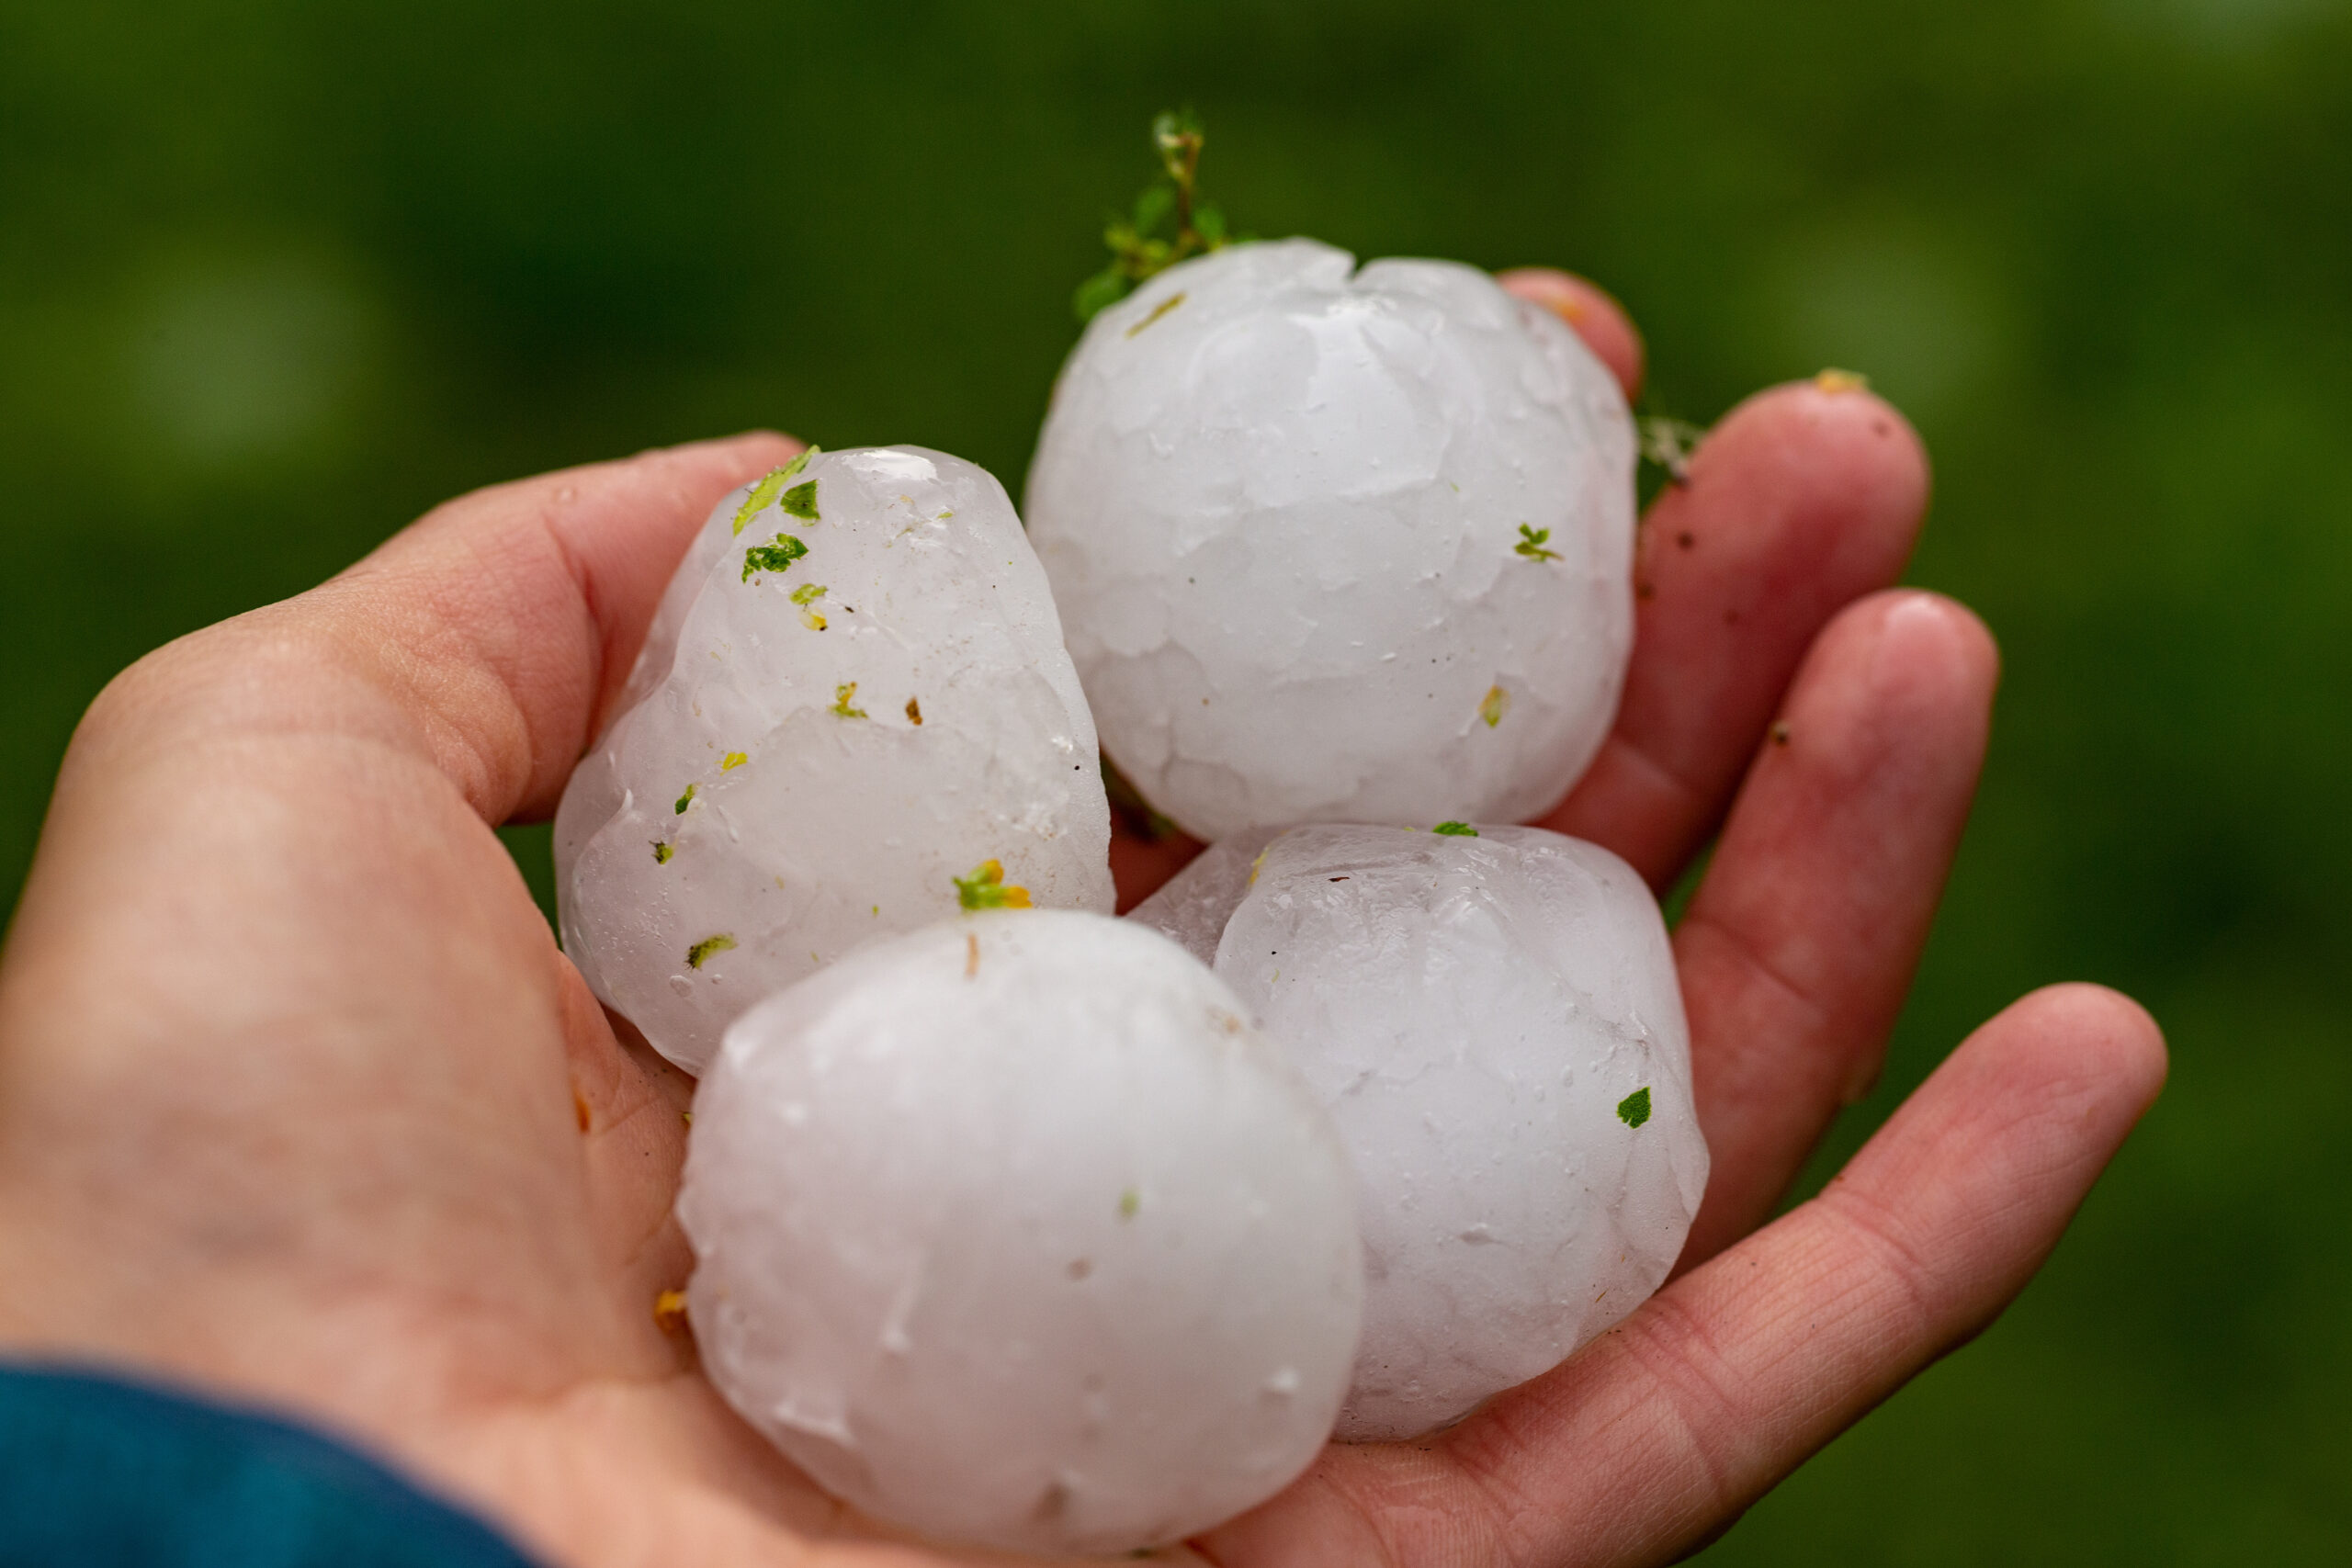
300 1105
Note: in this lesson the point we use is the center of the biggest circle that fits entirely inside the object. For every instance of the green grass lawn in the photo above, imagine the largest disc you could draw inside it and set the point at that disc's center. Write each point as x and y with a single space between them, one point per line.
275 278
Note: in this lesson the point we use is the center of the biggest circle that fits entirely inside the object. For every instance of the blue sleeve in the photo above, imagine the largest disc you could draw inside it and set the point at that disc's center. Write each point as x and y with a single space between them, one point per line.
96 1472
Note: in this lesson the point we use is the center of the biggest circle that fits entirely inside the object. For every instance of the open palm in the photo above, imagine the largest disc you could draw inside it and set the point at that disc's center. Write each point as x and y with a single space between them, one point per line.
299 1104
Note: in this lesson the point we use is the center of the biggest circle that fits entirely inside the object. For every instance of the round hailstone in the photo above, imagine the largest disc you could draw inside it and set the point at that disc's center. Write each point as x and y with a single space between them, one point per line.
1339 546
1495 1023
1014 1233
853 716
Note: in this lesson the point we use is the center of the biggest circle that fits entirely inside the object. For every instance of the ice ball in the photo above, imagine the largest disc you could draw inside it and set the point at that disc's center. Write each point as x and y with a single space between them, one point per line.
1338 544
1493 1019
853 716
1013 1232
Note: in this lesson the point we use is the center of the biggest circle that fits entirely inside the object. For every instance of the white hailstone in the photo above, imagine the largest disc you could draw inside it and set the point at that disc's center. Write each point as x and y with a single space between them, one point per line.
852 716
1012 1232
1334 544
1495 1023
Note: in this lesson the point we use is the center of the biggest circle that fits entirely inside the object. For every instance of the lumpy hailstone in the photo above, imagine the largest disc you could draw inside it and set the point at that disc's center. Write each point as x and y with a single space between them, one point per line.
854 697
1012 1232
1341 546
1495 1023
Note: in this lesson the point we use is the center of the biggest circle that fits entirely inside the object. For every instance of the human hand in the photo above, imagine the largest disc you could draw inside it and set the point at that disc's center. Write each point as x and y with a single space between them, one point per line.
298 1102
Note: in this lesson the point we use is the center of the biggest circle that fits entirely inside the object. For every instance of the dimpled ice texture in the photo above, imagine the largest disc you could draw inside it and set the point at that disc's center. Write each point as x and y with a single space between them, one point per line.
1012 1232
1495 1023
854 697
1339 546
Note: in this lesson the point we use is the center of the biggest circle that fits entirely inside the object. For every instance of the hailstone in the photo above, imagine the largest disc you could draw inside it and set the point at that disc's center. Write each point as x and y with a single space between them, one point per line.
1015 1233
1338 544
853 716
1493 1018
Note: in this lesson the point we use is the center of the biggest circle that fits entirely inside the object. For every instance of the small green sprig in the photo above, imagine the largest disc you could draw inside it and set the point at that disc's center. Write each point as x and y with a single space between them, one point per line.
1142 242
1531 544
1634 1109
1455 829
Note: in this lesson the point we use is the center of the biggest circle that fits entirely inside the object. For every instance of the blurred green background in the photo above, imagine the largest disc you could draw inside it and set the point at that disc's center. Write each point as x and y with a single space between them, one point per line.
275 278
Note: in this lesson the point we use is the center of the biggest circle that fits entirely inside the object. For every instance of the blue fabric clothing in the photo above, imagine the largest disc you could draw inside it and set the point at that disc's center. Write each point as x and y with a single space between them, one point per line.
96 1472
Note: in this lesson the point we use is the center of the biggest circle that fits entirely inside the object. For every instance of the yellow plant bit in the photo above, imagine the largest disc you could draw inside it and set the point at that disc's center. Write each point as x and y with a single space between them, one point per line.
915 713
1158 311
1493 705
842 694
670 1312
702 951
1835 381
986 888
732 760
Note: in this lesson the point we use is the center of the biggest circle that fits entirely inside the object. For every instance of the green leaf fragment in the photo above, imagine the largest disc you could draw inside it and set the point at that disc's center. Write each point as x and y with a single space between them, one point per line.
777 557
1455 829
808 592
685 800
732 760
1531 543
707 947
770 483
661 852
842 694
1155 203
800 500
1634 1109
1130 1202
1493 705
1104 288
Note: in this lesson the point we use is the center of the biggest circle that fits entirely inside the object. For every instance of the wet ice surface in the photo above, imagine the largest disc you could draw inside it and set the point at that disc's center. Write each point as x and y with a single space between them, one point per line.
1480 1015
1012 1232
1339 546
849 699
